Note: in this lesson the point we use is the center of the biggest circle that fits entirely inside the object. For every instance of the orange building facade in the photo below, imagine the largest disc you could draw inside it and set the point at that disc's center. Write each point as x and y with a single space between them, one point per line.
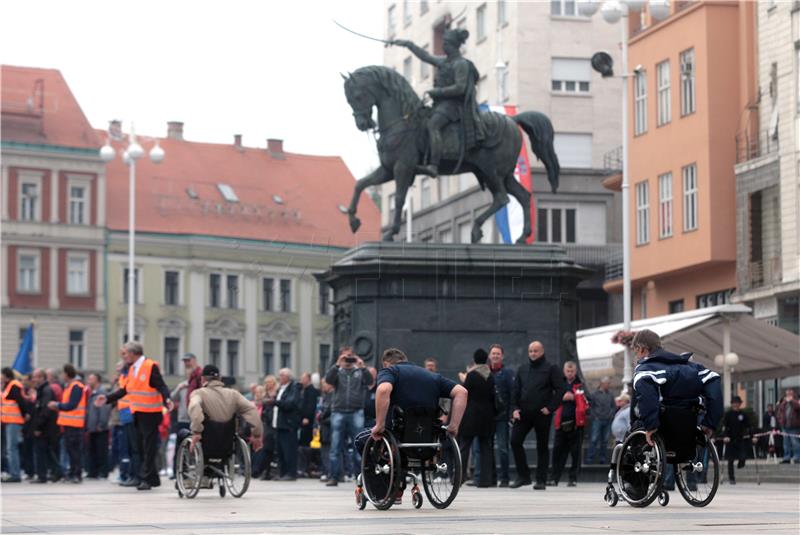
693 79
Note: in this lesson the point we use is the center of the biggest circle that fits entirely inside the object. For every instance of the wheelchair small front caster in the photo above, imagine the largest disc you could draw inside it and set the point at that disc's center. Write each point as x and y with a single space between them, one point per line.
663 498
416 499
221 489
611 497
361 499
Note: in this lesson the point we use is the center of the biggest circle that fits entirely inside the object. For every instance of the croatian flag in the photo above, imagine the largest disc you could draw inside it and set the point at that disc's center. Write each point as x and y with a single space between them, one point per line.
509 219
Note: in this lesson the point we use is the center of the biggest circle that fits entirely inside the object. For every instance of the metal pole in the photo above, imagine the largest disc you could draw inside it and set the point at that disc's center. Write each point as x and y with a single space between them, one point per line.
409 217
131 252
627 373
726 370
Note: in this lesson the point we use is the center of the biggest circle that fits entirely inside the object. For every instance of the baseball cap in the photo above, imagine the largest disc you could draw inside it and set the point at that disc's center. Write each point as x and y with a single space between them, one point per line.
209 370
188 356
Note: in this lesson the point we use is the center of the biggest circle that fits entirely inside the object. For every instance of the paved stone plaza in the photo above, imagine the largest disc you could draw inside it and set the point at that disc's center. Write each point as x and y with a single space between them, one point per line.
308 507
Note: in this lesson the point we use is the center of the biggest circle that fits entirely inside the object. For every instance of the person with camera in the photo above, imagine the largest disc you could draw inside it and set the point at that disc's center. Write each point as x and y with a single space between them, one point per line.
350 381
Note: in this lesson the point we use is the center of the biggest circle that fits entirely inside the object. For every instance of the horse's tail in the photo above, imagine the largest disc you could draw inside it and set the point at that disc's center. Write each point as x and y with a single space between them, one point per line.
540 132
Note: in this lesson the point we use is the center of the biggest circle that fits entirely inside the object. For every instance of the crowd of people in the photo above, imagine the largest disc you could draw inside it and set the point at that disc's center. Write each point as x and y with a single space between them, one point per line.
69 427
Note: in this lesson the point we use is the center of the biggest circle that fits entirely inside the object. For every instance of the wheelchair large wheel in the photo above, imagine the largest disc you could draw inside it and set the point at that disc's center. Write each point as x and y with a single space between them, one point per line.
380 471
442 476
640 469
190 469
238 469
698 480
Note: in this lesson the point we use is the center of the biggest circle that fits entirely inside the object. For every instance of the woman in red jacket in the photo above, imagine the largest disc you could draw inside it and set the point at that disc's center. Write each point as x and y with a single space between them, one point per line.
570 419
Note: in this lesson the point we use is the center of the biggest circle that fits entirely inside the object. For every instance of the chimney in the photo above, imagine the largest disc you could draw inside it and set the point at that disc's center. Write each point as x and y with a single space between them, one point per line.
115 129
237 141
175 130
275 148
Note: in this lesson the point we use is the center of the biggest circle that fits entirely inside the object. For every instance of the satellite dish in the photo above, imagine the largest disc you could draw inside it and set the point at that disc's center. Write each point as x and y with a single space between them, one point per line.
602 63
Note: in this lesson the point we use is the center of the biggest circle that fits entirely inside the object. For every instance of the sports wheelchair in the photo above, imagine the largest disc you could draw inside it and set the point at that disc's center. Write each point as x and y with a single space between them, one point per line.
417 447
221 455
638 470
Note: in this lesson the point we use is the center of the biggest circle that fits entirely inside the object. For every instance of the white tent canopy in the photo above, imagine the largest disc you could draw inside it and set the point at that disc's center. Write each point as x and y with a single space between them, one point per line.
764 351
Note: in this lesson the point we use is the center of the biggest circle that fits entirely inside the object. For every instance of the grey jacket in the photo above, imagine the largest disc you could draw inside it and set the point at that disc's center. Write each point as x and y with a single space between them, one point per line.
350 388
97 417
602 405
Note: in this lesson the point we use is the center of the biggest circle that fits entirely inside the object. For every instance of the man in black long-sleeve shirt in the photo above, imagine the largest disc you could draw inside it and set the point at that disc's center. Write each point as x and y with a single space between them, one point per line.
145 418
537 392
735 426
45 431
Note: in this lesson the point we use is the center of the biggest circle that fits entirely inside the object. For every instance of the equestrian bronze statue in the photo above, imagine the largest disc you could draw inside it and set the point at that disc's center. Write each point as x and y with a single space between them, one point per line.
449 137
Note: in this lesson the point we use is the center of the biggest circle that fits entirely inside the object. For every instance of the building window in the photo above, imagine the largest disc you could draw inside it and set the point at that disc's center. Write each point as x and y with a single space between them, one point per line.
407 74
556 225
391 20
563 8
233 291
215 351
423 7
29 202
505 92
501 13
664 93
233 358
227 192
28 272
425 193
465 232
443 184
676 306
77 274
136 286
640 103
214 290
268 357
642 213
713 299
286 295
687 82
574 150
391 204
480 22
690 197
406 13
286 354
324 355
424 68
76 349
325 307
446 236
268 294
665 205
570 75
171 349
171 288
77 205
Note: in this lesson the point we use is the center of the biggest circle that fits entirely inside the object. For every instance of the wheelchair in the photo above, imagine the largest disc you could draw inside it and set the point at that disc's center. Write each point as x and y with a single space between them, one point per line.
638 470
221 456
416 448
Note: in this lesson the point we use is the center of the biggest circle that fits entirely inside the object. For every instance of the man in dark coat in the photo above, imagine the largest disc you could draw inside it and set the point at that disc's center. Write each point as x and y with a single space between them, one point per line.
538 389
45 431
478 422
286 419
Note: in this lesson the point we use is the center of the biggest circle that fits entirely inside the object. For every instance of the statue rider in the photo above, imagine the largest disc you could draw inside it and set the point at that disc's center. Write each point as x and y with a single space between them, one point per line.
453 95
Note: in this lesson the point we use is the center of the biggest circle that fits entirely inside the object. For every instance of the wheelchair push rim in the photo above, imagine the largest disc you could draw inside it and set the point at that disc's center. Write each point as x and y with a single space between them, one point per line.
379 471
190 469
698 480
640 469
238 469
442 475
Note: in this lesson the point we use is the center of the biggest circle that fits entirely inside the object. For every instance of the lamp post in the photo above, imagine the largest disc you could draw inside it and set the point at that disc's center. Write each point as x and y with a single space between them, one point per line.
133 152
612 11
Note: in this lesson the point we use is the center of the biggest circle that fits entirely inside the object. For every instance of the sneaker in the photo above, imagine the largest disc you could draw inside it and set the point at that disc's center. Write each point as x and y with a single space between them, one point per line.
539 486
10 479
332 483
323 478
503 484
520 483
552 483
731 482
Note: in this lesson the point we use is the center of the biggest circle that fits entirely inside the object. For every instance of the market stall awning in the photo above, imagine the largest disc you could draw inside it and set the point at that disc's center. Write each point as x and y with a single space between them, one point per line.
764 351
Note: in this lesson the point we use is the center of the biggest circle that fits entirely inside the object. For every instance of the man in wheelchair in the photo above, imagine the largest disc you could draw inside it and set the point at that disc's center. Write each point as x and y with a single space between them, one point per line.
213 412
407 404
676 406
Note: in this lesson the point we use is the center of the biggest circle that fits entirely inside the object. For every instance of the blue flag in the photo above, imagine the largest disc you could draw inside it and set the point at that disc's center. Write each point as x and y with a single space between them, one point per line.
23 361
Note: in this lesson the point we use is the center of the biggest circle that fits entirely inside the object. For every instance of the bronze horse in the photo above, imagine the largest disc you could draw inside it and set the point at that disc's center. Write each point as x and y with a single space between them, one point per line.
403 143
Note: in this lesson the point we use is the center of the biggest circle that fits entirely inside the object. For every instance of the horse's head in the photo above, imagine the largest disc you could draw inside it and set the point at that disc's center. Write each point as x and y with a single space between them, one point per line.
361 101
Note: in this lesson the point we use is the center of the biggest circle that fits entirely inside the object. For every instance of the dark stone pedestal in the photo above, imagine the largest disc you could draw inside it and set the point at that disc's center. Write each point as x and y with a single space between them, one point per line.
446 300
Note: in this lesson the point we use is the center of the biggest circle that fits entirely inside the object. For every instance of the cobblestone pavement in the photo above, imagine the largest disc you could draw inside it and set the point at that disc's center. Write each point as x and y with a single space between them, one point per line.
100 507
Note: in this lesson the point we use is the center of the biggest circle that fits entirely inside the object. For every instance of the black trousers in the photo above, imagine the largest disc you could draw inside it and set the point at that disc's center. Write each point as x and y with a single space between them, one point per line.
567 444
46 450
735 451
486 458
73 442
541 424
147 432
98 454
287 452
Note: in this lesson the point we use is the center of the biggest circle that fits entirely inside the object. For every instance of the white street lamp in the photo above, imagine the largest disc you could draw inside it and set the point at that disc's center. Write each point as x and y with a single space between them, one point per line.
133 152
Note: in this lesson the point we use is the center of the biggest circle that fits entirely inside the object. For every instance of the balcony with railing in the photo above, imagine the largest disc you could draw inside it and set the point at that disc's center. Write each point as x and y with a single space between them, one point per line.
760 273
751 146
